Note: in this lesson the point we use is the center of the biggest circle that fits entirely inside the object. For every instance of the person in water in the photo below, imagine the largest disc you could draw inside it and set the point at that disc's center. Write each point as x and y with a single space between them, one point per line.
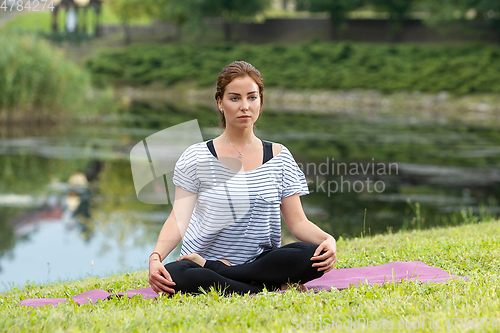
231 229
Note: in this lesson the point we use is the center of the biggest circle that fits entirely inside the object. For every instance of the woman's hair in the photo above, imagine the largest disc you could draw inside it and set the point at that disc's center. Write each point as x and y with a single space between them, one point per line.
237 69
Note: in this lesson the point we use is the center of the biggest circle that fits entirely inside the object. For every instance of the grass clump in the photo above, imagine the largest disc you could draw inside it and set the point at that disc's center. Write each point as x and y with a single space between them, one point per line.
471 250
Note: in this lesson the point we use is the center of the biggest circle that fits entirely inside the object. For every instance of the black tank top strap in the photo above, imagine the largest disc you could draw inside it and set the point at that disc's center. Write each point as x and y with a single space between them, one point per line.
268 150
267 146
210 145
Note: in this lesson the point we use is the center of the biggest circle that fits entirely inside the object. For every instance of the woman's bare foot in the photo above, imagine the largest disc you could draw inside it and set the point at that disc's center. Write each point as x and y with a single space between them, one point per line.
194 257
297 286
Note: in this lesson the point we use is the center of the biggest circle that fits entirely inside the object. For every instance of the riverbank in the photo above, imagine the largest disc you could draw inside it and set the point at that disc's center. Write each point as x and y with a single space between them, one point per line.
471 250
442 108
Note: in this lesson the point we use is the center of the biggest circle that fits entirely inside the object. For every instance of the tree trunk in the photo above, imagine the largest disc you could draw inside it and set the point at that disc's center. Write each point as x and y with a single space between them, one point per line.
334 27
226 25
178 32
78 14
496 25
395 23
98 28
84 21
126 33
54 20
285 4
65 20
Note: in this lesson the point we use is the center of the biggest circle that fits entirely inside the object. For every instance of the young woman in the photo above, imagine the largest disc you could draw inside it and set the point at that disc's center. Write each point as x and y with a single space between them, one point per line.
228 197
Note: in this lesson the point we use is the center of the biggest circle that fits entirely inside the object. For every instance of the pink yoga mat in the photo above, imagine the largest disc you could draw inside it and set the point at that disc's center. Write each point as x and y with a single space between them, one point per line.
341 278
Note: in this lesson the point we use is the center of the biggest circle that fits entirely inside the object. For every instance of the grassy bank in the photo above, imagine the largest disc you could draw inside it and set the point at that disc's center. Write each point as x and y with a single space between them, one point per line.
456 68
471 250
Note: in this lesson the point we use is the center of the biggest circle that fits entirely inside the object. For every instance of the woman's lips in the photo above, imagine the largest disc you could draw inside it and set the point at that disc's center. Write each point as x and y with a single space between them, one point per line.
244 117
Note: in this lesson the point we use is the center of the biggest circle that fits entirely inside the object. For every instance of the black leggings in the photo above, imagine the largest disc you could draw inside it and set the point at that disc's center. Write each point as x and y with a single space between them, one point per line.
288 264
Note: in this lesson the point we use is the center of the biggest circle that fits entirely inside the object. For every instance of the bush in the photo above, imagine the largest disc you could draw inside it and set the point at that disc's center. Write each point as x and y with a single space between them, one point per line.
459 69
37 83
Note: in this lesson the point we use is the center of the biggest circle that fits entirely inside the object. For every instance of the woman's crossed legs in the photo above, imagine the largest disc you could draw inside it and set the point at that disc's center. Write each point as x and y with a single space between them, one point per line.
288 264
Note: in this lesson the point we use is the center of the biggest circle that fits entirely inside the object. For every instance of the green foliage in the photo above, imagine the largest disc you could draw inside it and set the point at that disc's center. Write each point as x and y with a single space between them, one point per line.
126 10
35 78
488 10
178 12
454 13
234 10
471 250
187 13
459 69
457 9
438 13
446 10
38 84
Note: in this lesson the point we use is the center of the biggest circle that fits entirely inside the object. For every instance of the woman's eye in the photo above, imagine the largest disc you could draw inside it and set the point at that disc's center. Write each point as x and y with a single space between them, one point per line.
251 97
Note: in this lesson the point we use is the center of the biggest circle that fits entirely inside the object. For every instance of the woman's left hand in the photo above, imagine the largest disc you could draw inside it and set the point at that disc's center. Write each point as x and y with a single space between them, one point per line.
329 258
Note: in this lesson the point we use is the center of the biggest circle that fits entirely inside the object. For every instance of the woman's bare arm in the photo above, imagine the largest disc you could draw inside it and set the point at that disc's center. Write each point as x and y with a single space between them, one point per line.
177 222
306 231
170 236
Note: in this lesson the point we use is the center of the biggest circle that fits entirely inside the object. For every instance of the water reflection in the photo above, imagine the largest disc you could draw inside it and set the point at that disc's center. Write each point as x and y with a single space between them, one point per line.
67 196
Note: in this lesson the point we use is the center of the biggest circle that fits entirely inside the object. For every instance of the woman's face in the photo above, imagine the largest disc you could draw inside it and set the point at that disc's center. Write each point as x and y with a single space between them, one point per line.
241 102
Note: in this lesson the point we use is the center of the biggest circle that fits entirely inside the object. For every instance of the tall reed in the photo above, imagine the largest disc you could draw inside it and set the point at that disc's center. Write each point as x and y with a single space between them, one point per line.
36 83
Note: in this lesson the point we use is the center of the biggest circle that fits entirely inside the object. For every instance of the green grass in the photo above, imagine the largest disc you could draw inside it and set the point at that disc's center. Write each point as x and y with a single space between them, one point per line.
471 250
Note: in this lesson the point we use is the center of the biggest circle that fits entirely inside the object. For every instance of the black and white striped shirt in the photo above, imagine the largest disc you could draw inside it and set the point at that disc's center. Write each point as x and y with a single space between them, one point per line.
237 213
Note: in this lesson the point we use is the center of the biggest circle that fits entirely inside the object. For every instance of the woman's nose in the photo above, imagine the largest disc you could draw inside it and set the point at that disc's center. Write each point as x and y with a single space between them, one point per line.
245 105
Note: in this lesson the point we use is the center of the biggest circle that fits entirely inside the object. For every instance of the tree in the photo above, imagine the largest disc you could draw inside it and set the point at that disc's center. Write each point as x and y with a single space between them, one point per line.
233 11
180 13
127 10
442 11
337 9
489 10
398 11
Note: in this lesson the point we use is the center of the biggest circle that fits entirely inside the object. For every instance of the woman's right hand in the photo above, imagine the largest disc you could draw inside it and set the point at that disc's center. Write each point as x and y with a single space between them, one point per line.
170 236
159 278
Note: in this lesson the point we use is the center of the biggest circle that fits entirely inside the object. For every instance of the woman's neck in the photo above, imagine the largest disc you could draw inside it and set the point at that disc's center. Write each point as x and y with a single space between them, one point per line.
239 137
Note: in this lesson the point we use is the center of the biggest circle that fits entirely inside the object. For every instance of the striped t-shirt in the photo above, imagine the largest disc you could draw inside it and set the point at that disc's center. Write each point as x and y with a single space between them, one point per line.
237 213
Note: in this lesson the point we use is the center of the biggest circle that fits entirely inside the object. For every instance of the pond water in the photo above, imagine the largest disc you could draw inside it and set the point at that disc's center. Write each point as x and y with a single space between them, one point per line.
69 208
